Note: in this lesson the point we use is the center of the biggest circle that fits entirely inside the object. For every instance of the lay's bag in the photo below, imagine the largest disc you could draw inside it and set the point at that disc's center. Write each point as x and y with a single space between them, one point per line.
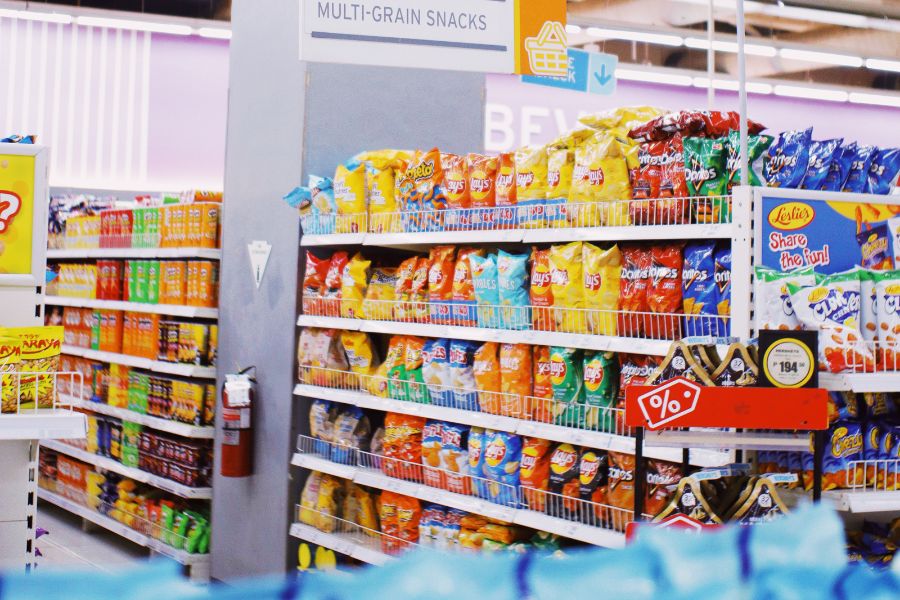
485 279
567 283
602 275
354 281
600 183
512 281
531 185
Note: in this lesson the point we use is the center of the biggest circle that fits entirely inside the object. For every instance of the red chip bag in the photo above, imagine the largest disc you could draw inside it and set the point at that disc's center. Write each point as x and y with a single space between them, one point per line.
482 179
672 208
440 283
314 283
664 292
418 290
333 281
633 290
534 472
456 188
403 289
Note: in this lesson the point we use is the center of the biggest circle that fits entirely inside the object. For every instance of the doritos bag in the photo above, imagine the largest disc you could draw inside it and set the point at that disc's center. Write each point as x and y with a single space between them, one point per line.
699 290
883 171
756 147
723 290
661 476
440 283
664 292
858 174
505 191
840 168
602 275
633 306
620 493
486 367
541 291
705 172
821 155
354 281
350 196
456 187
464 301
786 161
534 473
515 380
512 281
567 284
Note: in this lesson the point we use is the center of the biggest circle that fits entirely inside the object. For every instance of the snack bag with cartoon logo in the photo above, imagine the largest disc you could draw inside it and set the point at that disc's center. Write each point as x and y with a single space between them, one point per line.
600 381
464 309
422 194
567 285
531 185
602 276
455 458
350 197
845 446
436 371
456 187
482 190
774 309
502 458
515 380
540 292
832 307
567 381
505 190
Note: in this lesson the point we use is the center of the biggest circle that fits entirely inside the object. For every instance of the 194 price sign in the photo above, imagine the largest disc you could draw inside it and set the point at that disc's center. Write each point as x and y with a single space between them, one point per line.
788 358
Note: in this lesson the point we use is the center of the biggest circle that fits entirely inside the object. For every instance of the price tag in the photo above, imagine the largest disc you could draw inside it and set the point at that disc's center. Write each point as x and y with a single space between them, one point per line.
788 358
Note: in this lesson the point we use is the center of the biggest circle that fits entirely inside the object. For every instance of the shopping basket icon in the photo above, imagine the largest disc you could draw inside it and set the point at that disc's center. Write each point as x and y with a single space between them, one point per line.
547 53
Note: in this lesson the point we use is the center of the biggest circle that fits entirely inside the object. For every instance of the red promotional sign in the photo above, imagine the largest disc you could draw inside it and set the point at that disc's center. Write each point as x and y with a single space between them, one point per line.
677 521
683 403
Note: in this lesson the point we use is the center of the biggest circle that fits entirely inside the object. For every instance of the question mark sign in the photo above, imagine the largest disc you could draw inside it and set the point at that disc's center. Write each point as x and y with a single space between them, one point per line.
10 203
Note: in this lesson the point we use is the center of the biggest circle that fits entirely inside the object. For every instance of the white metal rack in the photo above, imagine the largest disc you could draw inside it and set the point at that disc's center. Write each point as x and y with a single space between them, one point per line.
75 253
157 366
173 310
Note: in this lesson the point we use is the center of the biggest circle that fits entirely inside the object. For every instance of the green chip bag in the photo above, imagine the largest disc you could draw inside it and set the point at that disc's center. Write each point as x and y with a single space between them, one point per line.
567 381
397 388
600 379
756 147
706 175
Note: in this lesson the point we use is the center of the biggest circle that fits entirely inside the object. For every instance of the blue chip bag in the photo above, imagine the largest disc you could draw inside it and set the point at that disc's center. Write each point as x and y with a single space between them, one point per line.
477 437
436 371
722 276
462 374
821 155
699 293
883 171
512 270
787 159
502 455
487 295
858 173
839 168
844 447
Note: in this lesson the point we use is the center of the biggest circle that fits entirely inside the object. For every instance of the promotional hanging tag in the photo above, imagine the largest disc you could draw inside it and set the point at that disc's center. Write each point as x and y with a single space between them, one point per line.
788 359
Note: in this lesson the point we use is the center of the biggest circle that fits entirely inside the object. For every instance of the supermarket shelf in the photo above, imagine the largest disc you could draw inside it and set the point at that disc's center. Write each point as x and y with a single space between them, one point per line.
137 474
860 382
43 424
728 439
556 433
547 338
142 363
864 501
140 307
340 543
203 253
160 424
527 518
123 530
527 236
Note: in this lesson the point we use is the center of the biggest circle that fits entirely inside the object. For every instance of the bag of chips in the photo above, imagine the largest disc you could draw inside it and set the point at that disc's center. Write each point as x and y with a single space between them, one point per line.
602 276
431 454
351 433
463 295
350 197
476 462
409 512
620 493
564 482
482 190
361 356
845 446
634 282
883 171
331 297
416 390
314 284
600 183
600 394
381 189
462 374
699 290
664 295
486 367
868 311
502 457
10 357
531 185
485 281
456 187
858 174
540 292
354 280
512 282
874 245
418 290
773 302
378 305
592 485
506 188
440 283
403 446
722 275
395 361
560 166
540 406
567 381
436 371
515 380
787 159
534 473
659 184
839 168
423 195
756 147
308 498
567 285
705 162
403 309
455 458
821 155
887 303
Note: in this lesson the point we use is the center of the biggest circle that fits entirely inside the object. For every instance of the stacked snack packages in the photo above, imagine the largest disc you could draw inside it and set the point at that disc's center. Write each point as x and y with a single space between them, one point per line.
658 291
25 353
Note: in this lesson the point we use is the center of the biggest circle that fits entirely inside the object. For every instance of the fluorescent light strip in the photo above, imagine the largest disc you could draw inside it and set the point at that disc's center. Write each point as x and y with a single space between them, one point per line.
883 65
636 36
214 33
30 15
874 99
723 46
753 87
829 58
654 77
794 91
169 28
573 29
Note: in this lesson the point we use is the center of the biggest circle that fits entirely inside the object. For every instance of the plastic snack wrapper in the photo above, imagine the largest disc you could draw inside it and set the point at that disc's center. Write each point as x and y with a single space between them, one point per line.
402 442
360 354
634 282
699 289
416 391
419 290
440 283
482 187
821 155
542 386
534 472
378 303
502 457
487 295
567 381
436 371
540 292
883 171
505 191
845 445
664 294
486 370
351 432
868 311
620 492
314 283
593 482
602 270
512 281
477 442
395 363
600 393
531 185
875 245
787 159
705 169
560 167
756 148
515 380
858 173
887 302
455 458
774 309
839 168
431 454
354 281
456 187
600 183
350 197
462 374
722 277
403 310
463 294
567 285
564 481
422 194
659 184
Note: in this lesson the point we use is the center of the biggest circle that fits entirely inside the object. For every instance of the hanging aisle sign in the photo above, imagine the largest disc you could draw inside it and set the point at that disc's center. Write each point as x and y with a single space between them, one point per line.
493 36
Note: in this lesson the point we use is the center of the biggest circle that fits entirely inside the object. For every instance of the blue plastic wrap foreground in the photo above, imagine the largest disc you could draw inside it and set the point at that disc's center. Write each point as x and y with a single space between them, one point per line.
798 557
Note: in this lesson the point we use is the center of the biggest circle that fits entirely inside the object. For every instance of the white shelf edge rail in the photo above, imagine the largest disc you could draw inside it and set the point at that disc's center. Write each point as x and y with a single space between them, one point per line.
340 543
72 253
158 423
138 362
174 310
109 464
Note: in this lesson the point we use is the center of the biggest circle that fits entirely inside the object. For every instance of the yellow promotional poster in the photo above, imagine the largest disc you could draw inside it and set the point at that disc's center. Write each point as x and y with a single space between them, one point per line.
16 213
541 38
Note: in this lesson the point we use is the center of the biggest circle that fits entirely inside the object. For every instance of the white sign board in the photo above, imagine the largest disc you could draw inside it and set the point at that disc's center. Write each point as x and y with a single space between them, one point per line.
259 257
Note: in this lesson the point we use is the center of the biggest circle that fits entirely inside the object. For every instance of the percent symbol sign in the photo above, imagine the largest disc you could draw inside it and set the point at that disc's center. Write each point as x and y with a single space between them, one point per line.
666 405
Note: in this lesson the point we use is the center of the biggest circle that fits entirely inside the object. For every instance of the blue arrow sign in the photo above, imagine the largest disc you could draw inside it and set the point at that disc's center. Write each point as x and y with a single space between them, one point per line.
602 73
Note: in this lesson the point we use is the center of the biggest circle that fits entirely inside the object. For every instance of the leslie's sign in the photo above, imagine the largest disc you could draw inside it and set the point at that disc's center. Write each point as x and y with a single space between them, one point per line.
495 36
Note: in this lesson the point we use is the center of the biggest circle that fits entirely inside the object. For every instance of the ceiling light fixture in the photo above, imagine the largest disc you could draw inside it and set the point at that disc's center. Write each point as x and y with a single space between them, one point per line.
874 99
30 15
169 28
753 87
214 33
829 58
654 77
883 65
810 93
732 47
636 36
573 29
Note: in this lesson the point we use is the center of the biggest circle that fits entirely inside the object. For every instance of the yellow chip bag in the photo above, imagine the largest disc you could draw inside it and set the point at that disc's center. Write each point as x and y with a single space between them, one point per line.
378 304
360 355
377 384
354 280
625 116
10 356
560 164
602 272
381 186
350 197
531 185
567 284
600 183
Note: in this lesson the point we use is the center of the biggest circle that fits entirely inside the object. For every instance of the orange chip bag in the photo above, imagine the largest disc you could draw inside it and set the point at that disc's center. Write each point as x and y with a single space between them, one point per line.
541 292
534 472
456 187
387 513
567 283
314 283
403 311
602 274
486 367
506 190
515 380
482 177
418 291
422 189
541 408
440 283
403 446
409 511
464 300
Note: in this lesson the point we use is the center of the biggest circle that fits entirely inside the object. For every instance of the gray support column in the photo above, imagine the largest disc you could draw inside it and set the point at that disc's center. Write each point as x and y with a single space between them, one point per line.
284 113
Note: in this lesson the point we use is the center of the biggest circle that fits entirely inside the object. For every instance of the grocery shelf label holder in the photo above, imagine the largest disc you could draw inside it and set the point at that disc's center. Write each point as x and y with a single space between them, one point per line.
680 404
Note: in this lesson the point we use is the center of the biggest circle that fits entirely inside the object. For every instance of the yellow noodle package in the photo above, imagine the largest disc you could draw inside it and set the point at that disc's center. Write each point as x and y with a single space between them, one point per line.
354 280
350 197
602 273
567 284
10 355
600 178
40 353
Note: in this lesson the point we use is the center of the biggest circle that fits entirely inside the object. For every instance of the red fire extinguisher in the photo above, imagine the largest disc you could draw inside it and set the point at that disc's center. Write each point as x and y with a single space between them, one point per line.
237 436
